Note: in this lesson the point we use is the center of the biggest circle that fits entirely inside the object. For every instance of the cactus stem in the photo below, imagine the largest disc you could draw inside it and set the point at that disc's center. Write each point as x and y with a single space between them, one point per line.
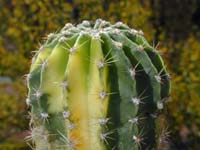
71 82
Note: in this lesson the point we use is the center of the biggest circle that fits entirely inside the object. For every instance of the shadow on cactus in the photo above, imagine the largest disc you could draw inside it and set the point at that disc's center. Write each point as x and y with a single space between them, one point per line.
96 86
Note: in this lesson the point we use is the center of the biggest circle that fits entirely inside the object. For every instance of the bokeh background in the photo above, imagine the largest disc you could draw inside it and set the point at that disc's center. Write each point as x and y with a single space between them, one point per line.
172 25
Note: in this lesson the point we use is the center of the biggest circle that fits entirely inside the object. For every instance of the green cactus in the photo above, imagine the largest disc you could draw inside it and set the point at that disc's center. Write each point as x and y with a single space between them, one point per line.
96 86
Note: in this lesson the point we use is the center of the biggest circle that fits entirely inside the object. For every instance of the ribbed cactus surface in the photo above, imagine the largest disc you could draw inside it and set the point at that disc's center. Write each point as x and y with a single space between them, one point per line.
96 86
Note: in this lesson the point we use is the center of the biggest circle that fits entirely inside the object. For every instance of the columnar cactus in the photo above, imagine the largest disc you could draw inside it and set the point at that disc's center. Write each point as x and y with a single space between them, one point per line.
96 86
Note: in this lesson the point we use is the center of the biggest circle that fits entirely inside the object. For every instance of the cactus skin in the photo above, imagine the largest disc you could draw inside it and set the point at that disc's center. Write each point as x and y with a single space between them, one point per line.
96 86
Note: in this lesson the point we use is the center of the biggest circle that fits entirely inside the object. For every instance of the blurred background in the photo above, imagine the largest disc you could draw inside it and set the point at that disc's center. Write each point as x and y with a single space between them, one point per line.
172 25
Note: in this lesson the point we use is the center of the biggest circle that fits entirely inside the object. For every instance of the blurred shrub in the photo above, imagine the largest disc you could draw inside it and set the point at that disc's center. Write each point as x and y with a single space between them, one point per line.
25 22
13 146
184 109
13 115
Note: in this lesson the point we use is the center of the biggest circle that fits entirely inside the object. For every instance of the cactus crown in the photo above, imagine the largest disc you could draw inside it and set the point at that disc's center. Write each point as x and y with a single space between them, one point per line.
96 87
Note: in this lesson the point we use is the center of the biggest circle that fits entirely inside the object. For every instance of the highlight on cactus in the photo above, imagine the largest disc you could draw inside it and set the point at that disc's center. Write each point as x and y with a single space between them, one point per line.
96 86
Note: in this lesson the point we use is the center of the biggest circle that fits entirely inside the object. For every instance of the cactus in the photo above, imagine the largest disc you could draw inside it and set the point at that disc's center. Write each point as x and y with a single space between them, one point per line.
96 86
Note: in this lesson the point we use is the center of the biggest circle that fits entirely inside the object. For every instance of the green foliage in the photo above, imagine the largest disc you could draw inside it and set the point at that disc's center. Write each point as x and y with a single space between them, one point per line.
13 114
12 146
29 19
185 92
